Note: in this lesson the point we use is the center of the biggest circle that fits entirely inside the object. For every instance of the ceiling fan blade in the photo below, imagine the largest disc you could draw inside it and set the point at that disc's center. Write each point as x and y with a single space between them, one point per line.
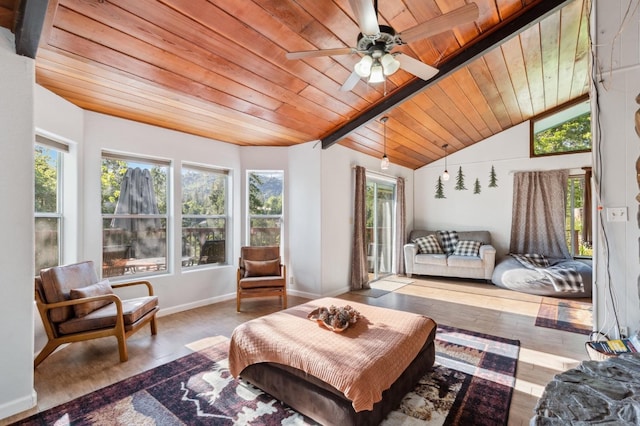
323 52
351 82
366 16
442 23
416 67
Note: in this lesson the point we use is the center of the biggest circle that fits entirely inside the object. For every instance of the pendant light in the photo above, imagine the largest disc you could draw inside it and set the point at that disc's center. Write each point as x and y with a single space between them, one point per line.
445 174
384 163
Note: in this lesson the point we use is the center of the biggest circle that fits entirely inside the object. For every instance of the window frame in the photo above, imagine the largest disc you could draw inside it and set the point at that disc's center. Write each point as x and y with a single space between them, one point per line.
570 218
140 268
250 216
193 261
61 151
555 111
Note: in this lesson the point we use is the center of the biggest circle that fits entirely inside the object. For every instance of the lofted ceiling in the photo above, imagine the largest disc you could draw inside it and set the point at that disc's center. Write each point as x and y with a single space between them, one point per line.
217 68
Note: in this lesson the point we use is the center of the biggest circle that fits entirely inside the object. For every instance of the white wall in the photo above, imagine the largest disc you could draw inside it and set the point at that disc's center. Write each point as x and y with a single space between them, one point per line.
490 210
304 220
618 75
17 76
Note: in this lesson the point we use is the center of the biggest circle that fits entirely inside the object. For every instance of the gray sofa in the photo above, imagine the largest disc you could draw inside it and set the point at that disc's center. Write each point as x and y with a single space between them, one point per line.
477 267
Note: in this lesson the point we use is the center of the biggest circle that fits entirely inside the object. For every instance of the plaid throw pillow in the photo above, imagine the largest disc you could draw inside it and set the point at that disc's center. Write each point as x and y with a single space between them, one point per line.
428 245
467 248
449 240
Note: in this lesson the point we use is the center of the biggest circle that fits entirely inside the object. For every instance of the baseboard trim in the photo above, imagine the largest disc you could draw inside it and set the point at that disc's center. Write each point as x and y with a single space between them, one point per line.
18 405
197 304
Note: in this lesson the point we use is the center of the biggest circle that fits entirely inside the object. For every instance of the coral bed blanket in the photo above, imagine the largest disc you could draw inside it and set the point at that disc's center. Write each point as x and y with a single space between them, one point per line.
361 362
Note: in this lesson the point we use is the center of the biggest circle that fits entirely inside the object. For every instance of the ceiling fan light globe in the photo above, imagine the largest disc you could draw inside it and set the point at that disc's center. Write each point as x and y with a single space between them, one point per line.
363 68
377 74
389 64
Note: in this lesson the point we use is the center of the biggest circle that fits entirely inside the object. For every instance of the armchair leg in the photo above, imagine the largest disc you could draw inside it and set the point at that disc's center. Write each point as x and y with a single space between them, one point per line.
154 327
122 348
45 352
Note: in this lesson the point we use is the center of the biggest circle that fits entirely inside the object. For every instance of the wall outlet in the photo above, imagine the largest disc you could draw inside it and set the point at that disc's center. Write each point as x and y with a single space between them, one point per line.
617 214
291 280
624 332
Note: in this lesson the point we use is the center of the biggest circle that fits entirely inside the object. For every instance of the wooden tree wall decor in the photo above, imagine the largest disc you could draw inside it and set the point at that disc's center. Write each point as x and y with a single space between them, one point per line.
460 180
493 179
440 188
476 187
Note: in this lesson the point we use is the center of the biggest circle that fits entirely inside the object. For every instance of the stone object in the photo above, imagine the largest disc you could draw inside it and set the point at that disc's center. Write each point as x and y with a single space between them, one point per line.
595 392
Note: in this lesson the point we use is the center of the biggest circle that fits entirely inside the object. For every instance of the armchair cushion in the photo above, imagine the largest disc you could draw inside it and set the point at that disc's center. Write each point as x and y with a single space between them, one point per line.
261 282
261 268
467 248
428 245
57 283
132 310
98 289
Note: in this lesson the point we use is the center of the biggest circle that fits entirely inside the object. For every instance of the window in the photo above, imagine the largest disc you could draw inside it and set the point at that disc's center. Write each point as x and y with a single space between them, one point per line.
380 225
265 189
577 221
48 157
205 218
134 215
562 131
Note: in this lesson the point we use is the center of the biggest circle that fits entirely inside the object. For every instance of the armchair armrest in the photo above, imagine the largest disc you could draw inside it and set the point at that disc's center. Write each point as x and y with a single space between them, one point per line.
134 283
46 307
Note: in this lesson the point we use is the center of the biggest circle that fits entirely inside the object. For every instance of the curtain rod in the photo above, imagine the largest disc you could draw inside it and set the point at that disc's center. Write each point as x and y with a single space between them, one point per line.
353 167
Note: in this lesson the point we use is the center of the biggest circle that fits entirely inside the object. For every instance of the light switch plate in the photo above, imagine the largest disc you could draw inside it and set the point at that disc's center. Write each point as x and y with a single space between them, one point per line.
617 214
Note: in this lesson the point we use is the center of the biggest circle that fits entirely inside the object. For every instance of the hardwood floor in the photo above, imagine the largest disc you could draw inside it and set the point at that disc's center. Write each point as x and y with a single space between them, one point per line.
86 366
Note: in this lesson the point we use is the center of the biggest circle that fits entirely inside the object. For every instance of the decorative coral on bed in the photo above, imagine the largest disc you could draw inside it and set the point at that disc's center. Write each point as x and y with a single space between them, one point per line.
335 318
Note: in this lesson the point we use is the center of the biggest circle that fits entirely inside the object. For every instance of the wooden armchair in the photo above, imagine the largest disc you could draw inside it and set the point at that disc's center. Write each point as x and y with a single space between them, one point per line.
261 273
74 306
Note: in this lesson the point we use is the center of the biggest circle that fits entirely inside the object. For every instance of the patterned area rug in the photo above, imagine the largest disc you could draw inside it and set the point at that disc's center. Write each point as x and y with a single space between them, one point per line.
566 315
472 383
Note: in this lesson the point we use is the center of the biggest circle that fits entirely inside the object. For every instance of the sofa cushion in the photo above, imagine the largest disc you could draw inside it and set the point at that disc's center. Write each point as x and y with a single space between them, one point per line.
449 240
431 259
132 309
428 245
464 261
467 248
98 289
261 268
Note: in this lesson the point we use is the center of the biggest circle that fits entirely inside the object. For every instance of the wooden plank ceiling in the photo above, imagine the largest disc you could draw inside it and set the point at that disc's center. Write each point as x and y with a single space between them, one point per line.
217 68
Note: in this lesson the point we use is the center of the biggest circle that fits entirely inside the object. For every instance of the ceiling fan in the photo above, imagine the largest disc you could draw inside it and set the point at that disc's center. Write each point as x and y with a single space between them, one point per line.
376 42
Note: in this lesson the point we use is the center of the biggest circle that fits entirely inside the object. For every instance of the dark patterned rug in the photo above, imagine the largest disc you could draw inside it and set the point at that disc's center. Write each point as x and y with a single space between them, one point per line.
472 383
567 315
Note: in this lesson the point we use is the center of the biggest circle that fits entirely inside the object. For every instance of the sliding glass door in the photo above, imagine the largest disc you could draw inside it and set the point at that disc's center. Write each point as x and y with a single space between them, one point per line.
380 204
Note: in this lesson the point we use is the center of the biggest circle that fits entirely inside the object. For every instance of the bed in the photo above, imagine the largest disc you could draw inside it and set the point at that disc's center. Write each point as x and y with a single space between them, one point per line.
511 274
355 377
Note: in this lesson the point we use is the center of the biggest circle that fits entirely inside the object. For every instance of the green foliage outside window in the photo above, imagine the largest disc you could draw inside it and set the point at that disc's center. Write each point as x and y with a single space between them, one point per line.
573 135
46 180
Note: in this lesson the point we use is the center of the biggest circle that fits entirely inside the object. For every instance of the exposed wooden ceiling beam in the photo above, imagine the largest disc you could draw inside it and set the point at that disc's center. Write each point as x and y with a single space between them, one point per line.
29 26
527 17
